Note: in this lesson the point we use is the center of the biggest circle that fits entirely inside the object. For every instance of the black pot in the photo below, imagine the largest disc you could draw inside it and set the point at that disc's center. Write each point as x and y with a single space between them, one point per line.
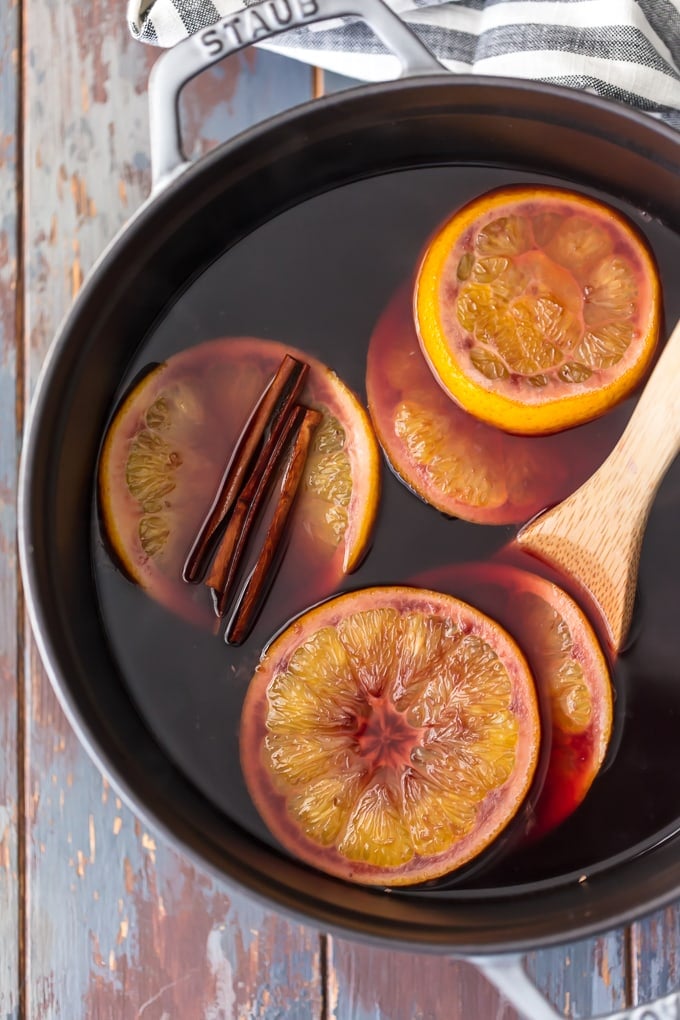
196 211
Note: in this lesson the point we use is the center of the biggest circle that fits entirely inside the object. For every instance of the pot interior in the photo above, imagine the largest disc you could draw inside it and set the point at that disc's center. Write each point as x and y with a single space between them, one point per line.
304 231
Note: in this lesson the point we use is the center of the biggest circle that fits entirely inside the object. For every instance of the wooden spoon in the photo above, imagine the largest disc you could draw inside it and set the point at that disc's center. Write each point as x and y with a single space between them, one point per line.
594 536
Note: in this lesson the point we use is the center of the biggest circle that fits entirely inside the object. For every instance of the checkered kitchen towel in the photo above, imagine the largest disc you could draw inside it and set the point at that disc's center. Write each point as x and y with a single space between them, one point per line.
628 50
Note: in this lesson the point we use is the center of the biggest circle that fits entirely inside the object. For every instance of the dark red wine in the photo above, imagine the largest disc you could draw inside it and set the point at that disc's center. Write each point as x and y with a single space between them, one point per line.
319 277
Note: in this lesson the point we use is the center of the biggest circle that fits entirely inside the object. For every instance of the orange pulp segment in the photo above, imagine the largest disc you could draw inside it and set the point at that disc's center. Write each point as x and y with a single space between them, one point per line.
458 464
571 672
537 308
168 445
389 735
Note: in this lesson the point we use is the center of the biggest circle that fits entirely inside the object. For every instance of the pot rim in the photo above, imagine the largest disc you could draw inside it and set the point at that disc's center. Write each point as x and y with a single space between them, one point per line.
580 919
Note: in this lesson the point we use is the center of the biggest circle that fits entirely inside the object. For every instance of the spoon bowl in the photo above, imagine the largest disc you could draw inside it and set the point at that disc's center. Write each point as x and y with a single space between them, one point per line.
594 537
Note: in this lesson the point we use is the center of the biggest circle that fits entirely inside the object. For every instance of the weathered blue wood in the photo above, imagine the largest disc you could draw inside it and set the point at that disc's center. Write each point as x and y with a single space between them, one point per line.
580 980
655 949
238 93
120 926
9 650
366 983
585 978
338 82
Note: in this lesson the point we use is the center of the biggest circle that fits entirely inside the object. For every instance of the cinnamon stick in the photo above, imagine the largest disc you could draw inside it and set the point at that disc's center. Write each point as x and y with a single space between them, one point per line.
233 543
271 410
263 572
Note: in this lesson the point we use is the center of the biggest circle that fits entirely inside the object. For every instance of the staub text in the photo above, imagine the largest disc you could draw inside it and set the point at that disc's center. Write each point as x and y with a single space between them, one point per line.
255 23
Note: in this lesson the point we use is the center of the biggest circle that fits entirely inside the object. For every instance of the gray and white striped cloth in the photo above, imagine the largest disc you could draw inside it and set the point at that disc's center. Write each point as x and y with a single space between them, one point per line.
626 50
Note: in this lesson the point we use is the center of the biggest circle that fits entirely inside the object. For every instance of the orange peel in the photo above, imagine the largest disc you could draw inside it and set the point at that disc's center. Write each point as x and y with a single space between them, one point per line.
167 447
389 735
537 308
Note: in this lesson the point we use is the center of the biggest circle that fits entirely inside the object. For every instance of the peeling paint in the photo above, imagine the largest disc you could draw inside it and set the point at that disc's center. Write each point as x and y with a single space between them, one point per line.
236 93
6 856
655 945
595 980
129 876
76 272
10 977
222 970
149 844
602 957
93 839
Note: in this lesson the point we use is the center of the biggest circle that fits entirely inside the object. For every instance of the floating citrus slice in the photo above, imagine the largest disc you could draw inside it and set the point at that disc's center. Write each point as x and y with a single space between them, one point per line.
568 664
537 308
456 463
167 448
390 734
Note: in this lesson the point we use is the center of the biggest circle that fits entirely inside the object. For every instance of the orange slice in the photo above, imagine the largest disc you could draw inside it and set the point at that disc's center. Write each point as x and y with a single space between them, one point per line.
571 672
537 308
168 445
389 735
458 464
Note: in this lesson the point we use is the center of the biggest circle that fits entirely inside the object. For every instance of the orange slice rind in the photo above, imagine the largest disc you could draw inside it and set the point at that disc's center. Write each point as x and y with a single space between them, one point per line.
537 308
168 445
450 459
570 669
389 735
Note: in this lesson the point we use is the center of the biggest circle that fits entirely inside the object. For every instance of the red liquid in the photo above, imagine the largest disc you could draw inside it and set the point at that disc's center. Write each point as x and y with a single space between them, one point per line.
498 478
319 277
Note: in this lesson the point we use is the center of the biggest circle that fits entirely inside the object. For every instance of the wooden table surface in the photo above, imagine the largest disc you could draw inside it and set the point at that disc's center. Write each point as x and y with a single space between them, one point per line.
99 919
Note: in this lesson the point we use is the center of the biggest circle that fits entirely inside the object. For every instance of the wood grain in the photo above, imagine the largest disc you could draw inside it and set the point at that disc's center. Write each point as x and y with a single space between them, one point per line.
237 93
9 638
583 979
119 925
366 983
587 978
655 955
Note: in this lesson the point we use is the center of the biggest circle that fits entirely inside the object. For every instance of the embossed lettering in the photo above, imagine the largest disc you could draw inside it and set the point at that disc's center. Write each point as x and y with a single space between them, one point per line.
308 8
257 26
233 26
212 42
257 22
281 11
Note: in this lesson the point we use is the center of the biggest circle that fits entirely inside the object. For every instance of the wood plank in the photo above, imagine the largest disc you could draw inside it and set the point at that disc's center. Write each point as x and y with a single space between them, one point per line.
333 82
121 926
238 93
9 641
655 952
368 983
583 979
586 978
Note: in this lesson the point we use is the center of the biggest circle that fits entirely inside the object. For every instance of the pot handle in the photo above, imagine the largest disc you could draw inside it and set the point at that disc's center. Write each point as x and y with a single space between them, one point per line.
257 22
508 975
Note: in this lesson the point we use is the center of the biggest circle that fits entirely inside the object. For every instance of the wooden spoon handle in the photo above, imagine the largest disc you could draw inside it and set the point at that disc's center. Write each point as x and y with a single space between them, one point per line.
594 536
651 439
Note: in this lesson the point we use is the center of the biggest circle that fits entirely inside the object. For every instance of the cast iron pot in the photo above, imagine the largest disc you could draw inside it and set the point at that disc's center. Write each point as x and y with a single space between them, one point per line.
426 117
